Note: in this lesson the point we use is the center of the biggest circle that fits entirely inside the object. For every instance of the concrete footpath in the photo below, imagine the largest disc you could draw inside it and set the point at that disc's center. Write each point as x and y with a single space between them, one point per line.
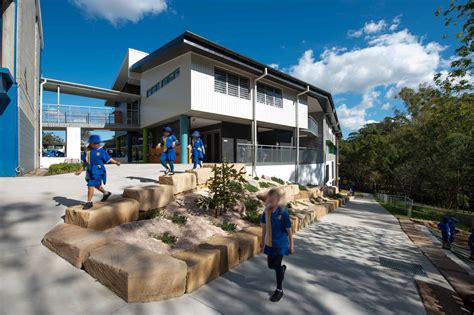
336 268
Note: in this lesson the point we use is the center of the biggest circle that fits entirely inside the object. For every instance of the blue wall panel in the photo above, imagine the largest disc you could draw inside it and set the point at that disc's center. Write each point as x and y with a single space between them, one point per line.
9 134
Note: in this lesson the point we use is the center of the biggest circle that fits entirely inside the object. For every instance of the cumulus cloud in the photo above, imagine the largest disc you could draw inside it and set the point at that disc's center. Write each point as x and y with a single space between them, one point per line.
398 58
369 28
395 23
355 117
119 11
386 106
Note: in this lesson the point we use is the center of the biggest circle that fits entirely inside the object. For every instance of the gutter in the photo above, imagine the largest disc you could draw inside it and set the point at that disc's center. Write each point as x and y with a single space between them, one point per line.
41 119
254 122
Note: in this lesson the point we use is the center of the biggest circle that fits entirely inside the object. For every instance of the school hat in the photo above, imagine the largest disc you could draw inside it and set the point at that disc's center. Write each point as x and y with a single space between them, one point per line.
94 139
195 134
168 129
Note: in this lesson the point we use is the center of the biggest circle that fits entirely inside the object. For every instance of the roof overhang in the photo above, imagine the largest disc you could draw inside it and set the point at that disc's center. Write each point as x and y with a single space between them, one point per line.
190 42
88 91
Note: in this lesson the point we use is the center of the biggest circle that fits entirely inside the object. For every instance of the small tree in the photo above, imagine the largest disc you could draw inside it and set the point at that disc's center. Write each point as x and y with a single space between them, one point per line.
226 187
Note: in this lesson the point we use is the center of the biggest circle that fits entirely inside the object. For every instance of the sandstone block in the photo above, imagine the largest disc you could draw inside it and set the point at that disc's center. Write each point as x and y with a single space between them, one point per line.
136 274
150 197
104 215
203 266
255 230
203 175
181 182
248 245
294 224
303 194
229 251
73 243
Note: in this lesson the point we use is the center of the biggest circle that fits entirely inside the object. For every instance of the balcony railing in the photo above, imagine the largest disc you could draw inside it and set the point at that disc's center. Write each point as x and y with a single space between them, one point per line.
85 115
273 154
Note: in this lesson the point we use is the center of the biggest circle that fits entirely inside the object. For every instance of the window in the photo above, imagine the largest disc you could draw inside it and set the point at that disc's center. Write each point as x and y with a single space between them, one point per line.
165 81
269 95
231 84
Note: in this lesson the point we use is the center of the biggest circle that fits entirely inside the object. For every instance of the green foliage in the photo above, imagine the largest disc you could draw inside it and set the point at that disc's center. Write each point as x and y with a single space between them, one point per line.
178 219
256 178
228 227
250 188
252 204
225 188
336 196
251 210
62 168
166 238
278 180
155 213
49 138
266 184
301 187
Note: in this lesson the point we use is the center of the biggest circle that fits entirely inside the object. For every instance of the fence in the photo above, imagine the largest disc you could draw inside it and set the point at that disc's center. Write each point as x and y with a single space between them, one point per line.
273 154
400 202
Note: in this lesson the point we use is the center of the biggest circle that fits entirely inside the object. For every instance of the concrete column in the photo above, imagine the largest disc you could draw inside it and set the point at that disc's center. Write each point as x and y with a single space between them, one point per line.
145 144
183 137
129 147
73 143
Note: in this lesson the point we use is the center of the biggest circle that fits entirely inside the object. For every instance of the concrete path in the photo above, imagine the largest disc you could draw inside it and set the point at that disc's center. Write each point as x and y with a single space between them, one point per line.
336 268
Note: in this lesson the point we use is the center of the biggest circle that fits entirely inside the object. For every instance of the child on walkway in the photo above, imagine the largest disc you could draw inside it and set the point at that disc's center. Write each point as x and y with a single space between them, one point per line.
445 232
168 141
197 150
277 239
452 229
93 161
470 242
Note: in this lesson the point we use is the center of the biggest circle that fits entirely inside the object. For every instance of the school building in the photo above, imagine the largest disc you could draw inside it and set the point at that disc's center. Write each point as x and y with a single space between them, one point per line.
246 112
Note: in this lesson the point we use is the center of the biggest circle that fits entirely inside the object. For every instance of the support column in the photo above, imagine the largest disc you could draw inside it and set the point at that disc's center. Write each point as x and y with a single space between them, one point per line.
183 138
73 143
145 144
129 147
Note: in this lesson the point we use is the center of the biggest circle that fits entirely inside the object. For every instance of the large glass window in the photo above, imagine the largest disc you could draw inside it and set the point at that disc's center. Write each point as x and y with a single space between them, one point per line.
231 84
269 95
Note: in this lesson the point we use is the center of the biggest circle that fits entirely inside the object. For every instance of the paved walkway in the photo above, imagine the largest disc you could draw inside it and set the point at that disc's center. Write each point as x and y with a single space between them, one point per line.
335 270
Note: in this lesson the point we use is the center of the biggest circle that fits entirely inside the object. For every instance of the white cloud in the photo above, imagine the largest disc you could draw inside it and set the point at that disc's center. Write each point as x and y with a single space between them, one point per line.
391 92
118 11
274 66
399 59
386 106
395 23
369 28
355 117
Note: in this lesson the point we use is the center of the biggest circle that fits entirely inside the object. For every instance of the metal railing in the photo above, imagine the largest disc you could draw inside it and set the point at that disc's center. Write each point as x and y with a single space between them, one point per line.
271 154
83 115
401 202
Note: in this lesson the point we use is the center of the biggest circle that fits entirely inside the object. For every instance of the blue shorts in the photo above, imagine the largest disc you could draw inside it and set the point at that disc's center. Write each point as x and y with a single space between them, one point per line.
95 180
276 251
169 155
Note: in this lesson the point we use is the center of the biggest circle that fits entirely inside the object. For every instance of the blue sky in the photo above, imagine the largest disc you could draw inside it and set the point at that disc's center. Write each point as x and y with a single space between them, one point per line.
361 51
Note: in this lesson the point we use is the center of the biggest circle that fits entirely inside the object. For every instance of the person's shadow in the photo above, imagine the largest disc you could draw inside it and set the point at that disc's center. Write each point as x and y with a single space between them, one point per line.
142 179
63 201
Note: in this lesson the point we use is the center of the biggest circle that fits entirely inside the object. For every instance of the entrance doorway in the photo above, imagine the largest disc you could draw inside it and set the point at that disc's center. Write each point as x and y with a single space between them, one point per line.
212 143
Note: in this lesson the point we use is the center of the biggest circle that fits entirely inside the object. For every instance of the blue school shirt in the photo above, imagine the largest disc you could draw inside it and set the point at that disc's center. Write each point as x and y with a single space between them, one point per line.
276 232
198 148
96 160
167 142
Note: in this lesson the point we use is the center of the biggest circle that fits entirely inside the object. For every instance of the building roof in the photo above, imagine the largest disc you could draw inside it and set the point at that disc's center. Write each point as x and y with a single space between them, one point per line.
190 42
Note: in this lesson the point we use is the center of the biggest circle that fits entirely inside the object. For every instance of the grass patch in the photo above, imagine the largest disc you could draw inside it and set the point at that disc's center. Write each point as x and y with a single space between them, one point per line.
167 238
250 188
178 219
278 180
63 168
228 227
266 184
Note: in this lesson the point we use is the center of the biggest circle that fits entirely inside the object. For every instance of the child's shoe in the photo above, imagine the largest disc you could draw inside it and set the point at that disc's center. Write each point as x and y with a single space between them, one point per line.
276 296
106 196
167 171
88 205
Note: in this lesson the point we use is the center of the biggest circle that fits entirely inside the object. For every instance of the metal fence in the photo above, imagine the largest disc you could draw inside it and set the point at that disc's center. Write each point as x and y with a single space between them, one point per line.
273 154
401 202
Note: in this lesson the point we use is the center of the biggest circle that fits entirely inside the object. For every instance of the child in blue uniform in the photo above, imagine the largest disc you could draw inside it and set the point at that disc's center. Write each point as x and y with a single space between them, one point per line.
94 159
470 242
452 229
168 141
197 150
277 239
445 231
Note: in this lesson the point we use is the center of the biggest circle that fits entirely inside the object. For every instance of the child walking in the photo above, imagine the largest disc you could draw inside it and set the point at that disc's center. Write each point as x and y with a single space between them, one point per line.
470 242
277 239
94 159
168 141
445 232
197 150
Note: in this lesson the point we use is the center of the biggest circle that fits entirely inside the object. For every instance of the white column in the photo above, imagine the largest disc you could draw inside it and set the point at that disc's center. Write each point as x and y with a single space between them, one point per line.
73 143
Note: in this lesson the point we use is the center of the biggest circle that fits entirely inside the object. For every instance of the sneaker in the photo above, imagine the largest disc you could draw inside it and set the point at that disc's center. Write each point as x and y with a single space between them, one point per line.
106 196
276 296
88 205
171 173
167 171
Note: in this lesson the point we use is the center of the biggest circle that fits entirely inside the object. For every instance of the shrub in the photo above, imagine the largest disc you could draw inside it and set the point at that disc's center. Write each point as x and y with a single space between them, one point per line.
166 238
228 227
155 213
251 213
225 189
278 180
301 187
252 204
178 219
266 184
250 188
62 168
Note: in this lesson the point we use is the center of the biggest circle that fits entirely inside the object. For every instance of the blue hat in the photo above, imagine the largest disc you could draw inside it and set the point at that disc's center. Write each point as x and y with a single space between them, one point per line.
94 139
168 129
195 134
